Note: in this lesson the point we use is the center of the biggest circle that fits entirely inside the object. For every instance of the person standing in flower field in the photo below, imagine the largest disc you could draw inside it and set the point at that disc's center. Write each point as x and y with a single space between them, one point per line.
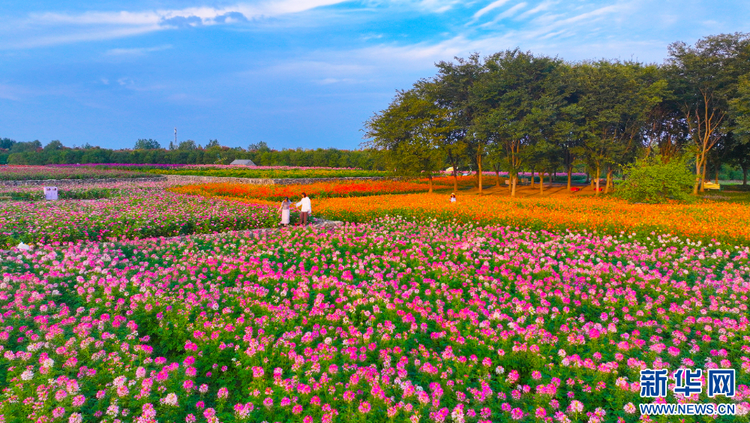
305 209
453 197
284 210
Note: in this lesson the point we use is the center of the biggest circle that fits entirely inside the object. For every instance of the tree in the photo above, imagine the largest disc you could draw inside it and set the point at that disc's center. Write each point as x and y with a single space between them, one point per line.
615 99
705 77
146 144
212 143
54 145
518 102
187 145
453 85
260 146
7 143
409 134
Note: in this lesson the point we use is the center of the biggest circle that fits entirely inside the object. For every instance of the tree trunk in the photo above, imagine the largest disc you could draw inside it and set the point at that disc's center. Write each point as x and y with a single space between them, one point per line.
479 167
532 177
430 179
497 175
609 180
703 178
598 173
717 176
455 180
697 174
744 175
513 181
569 172
541 183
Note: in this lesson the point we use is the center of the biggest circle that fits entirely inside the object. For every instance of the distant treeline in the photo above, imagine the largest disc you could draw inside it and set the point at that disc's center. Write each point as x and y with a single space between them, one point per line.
187 152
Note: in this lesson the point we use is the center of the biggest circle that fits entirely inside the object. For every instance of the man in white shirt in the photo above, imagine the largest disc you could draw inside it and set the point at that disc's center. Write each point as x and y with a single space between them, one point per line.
305 209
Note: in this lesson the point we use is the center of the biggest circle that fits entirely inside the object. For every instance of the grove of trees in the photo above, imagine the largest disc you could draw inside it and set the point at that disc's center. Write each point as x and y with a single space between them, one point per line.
516 111
148 151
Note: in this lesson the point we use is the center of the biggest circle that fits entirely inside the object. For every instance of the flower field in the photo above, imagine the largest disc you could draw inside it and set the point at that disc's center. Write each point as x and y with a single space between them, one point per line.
386 321
729 222
315 190
272 172
15 173
134 213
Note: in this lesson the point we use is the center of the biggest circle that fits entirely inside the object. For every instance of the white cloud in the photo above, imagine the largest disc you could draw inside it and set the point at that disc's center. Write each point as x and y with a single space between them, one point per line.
63 28
138 51
494 5
507 14
540 8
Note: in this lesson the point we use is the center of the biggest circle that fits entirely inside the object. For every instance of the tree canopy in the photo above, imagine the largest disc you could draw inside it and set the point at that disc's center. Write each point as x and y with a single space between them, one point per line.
522 111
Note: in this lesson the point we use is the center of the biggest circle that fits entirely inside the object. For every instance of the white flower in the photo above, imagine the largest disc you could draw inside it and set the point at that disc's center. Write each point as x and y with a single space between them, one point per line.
27 375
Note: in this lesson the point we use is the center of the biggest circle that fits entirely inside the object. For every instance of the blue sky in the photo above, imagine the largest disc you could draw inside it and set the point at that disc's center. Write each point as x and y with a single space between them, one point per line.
293 73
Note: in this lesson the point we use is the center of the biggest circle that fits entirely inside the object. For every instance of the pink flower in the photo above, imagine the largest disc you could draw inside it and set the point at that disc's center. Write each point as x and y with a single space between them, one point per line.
78 400
58 412
223 393
268 402
190 418
364 407
575 406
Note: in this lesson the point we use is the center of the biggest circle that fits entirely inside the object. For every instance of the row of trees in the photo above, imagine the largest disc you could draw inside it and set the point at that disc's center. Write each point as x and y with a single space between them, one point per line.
149 151
516 111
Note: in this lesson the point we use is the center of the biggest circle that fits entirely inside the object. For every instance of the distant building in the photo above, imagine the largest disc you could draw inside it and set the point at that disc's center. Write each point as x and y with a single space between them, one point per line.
242 163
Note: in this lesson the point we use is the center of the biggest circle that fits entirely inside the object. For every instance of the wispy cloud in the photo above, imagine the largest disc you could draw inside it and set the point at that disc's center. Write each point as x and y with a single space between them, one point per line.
138 51
54 28
494 5
509 13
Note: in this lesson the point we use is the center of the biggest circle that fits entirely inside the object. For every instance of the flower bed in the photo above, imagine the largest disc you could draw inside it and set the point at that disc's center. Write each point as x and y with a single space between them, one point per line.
15 173
316 190
275 172
705 220
138 213
390 321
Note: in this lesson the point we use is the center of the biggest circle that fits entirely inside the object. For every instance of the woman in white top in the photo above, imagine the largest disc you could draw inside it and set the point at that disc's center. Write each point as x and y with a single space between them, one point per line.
284 210
453 197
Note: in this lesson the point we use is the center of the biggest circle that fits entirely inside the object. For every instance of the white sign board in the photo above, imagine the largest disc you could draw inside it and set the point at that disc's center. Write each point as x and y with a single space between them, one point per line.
50 193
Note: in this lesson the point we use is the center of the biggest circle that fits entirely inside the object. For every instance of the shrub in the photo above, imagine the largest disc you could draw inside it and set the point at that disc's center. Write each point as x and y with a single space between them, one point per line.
654 180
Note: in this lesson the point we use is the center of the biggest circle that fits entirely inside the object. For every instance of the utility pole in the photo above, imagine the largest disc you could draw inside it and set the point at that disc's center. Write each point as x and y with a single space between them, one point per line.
175 137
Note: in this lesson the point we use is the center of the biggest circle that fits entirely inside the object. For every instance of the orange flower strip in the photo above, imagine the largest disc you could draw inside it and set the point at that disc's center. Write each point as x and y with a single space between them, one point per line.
317 190
706 220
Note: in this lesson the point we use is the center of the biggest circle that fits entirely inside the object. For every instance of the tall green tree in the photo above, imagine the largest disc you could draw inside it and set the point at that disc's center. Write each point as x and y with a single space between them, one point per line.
518 103
706 78
453 92
410 134
615 99
146 144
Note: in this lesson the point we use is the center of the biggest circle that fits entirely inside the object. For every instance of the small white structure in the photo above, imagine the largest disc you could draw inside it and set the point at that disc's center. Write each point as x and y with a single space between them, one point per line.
242 163
50 193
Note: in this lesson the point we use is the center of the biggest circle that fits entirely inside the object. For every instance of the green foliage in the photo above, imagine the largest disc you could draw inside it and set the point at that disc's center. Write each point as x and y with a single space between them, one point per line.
654 180
78 194
187 145
410 134
146 144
